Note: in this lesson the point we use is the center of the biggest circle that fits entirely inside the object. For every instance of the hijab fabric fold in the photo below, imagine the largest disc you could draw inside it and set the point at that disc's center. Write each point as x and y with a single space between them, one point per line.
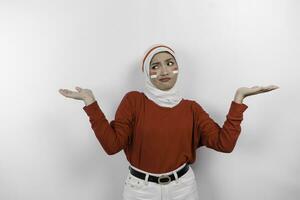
168 98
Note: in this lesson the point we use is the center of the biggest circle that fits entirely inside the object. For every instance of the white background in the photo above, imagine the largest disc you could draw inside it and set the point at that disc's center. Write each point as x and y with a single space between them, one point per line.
47 148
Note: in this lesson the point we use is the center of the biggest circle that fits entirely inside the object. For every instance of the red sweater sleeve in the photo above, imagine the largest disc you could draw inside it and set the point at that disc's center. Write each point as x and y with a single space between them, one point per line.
211 135
116 135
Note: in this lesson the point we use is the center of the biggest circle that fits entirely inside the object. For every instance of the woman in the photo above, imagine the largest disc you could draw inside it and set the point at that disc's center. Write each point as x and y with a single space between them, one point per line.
160 131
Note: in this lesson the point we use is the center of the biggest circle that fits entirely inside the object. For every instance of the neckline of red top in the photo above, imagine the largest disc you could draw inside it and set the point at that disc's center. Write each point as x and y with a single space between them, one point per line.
162 107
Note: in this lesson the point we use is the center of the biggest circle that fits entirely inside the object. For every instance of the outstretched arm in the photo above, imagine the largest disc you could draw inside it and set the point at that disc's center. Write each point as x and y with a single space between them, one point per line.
113 135
208 133
224 138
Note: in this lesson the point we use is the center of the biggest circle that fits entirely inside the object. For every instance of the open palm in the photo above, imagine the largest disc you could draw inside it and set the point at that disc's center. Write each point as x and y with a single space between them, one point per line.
81 94
245 91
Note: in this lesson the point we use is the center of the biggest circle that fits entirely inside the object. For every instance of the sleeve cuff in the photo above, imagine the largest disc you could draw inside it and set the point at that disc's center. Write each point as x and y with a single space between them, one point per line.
236 109
90 107
93 110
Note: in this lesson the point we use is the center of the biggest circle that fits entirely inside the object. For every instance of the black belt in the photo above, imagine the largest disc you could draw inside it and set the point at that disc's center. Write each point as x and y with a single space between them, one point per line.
163 179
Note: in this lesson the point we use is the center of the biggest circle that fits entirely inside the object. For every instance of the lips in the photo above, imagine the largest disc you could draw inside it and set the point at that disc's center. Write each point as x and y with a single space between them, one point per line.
165 79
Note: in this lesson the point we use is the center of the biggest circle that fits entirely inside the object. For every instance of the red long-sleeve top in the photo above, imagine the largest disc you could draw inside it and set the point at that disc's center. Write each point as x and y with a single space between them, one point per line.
159 139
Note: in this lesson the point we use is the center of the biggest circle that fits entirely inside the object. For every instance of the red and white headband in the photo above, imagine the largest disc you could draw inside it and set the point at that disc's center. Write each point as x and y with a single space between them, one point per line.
153 50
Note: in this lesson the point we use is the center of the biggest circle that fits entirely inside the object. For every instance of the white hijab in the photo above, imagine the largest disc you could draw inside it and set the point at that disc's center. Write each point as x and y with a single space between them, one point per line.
169 98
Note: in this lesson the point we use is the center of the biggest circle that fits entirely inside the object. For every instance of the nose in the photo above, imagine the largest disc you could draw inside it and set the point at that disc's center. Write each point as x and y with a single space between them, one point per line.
164 70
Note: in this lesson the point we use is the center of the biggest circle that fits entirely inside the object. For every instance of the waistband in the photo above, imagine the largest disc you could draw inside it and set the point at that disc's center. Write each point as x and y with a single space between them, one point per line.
154 174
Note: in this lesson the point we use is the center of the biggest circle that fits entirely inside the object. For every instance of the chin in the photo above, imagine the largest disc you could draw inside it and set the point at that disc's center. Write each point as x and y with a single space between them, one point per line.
165 89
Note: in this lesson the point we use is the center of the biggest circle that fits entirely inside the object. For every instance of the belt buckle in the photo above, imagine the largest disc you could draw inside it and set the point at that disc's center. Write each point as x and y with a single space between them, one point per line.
164 176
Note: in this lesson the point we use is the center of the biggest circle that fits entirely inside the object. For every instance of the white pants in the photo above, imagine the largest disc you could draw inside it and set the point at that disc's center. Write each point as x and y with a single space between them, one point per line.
183 188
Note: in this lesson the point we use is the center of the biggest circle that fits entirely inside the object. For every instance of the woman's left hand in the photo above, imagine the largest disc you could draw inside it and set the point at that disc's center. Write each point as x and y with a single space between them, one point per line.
243 92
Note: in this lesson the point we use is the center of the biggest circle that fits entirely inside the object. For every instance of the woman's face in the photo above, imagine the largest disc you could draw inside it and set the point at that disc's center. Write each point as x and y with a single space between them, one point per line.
163 65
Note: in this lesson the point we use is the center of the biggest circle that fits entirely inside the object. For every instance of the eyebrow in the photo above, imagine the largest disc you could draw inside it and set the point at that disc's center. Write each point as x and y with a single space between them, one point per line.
165 60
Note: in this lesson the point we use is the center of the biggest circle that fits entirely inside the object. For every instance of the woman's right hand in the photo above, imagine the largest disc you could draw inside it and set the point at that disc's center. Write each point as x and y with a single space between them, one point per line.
83 94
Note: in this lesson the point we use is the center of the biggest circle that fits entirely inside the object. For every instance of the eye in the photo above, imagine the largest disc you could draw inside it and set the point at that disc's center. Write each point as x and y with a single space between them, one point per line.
171 62
153 67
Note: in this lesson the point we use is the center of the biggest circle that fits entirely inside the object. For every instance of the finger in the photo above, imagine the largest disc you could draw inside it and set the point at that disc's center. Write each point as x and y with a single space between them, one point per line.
63 91
78 88
274 86
269 88
67 93
257 88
